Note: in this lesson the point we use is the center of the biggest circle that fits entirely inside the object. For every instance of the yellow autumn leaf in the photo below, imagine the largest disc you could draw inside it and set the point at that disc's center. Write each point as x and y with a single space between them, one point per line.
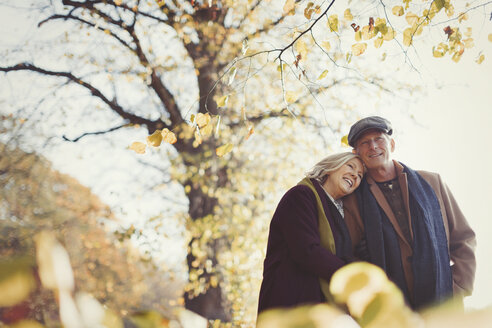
457 56
53 262
281 68
323 75
450 10
355 277
359 48
358 35
16 287
326 45
289 7
378 42
398 11
440 50
168 136
347 15
224 149
291 97
407 37
437 53
232 75
308 11
27 324
198 137
222 101
490 37
202 119
214 281
411 18
207 130
480 59
138 147
192 118
380 25
348 57
468 32
107 31
383 57
251 130
333 23
367 33
155 139
117 2
469 43
301 48
345 140
389 35
462 17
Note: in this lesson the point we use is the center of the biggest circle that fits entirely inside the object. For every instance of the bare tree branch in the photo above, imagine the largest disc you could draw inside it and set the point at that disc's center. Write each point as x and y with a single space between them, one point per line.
113 105
250 12
70 16
305 31
95 133
166 97
461 14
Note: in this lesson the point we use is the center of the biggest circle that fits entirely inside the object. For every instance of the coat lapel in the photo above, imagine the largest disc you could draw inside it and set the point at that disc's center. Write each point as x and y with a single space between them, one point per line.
402 179
383 203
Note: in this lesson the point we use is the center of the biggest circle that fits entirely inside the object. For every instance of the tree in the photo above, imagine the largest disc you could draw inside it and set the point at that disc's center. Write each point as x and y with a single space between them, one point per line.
202 77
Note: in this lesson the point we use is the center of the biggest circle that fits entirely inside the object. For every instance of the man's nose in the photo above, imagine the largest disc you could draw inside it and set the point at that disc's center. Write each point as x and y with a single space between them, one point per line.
373 144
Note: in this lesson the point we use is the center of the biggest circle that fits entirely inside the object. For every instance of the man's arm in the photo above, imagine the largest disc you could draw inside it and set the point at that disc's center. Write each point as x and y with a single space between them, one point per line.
462 243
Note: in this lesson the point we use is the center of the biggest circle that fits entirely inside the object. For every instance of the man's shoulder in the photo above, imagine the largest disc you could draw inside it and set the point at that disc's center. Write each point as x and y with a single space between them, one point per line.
433 179
429 174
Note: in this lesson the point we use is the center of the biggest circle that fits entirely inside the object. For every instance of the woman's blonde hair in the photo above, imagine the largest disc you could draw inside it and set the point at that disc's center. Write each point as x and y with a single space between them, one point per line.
329 164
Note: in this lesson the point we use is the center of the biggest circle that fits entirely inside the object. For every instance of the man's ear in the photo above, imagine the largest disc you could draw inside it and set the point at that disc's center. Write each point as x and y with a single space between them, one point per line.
392 145
354 151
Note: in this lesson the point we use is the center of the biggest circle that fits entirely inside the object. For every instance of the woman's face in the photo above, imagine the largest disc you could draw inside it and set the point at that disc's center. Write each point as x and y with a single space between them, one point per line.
344 180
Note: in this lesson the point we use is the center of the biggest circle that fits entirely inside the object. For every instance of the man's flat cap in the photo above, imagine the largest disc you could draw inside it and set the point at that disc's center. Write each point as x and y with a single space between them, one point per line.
368 123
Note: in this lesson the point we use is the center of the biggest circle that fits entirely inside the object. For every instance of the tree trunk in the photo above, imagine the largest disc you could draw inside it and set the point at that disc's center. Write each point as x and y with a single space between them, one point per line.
210 304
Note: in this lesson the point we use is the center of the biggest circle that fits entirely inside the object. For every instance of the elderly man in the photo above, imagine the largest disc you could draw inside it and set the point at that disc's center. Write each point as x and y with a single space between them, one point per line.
408 222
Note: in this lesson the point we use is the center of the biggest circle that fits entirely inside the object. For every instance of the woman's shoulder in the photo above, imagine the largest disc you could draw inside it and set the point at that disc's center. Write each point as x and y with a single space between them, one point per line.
299 191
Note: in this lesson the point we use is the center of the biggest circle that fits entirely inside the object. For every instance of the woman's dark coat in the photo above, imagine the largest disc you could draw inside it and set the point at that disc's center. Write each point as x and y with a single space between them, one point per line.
295 259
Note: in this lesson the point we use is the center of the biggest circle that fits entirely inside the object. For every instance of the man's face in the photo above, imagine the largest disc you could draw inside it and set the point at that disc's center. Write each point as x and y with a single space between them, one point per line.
375 148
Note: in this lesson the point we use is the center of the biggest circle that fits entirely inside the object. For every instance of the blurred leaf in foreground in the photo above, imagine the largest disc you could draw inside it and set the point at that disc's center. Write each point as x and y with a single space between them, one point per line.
16 281
55 270
317 316
450 315
149 319
27 324
370 297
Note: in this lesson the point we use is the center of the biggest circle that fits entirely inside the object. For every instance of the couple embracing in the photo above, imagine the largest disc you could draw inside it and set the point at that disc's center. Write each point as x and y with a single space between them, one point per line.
363 205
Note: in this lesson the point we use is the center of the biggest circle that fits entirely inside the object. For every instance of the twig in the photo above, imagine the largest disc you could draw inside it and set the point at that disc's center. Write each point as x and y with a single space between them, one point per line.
95 133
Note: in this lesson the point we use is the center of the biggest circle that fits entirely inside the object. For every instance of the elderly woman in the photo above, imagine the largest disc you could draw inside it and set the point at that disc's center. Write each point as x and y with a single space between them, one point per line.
308 238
